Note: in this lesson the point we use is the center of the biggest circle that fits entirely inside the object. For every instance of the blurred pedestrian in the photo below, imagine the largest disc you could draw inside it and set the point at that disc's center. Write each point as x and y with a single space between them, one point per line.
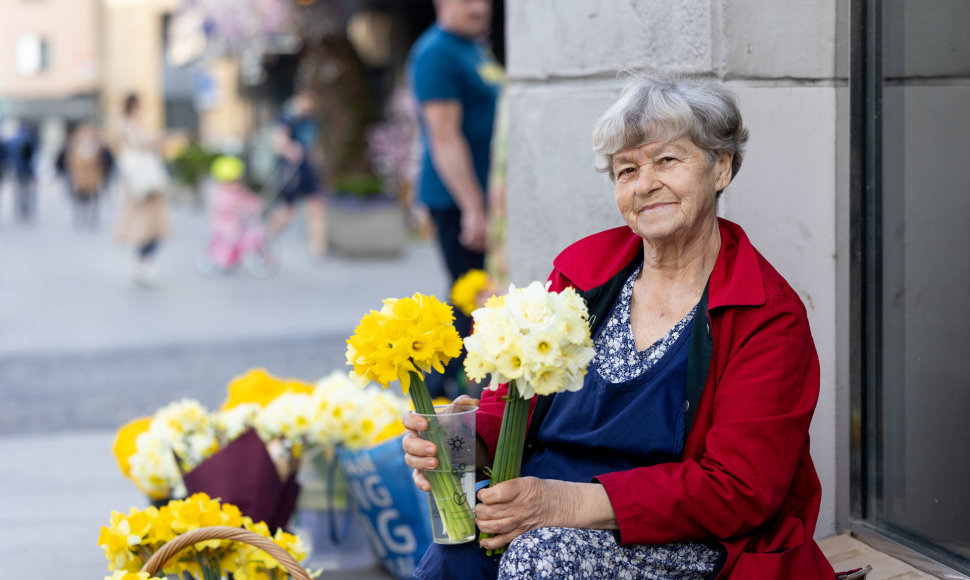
144 218
456 82
296 141
85 165
20 144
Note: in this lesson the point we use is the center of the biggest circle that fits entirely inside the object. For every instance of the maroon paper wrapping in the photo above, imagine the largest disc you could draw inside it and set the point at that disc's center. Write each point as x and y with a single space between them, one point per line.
242 473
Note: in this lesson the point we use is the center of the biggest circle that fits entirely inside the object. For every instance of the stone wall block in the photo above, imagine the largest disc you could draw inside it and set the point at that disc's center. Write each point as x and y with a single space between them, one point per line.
784 198
555 196
577 38
771 39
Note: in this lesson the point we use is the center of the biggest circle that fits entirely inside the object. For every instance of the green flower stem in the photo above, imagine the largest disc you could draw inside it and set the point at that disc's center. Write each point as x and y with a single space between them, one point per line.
456 514
511 443
209 565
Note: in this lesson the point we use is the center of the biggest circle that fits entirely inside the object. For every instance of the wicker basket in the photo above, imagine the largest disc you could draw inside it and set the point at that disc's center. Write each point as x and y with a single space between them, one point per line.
170 549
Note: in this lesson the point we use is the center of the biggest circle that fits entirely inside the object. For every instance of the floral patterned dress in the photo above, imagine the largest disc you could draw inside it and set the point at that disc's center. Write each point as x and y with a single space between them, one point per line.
596 554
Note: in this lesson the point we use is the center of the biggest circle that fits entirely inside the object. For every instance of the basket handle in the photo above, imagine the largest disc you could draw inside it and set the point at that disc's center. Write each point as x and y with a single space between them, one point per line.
173 547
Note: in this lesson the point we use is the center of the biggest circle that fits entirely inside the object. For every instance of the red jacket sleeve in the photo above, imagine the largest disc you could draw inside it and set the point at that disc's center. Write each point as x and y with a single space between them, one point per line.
758 403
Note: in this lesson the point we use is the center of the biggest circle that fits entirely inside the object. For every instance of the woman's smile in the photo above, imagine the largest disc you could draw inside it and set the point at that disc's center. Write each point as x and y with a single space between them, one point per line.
655 206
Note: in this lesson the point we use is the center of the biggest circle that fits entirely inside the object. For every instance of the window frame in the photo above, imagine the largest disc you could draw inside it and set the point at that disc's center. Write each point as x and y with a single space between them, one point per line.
865 303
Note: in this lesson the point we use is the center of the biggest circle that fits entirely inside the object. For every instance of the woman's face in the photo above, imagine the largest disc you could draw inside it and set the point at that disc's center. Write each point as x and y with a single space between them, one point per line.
665 191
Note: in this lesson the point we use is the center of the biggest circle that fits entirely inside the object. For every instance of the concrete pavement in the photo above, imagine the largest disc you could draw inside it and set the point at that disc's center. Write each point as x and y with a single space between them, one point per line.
83 349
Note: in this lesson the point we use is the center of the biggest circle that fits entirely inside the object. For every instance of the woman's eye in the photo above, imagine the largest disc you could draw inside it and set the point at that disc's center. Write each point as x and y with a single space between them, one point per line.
667 160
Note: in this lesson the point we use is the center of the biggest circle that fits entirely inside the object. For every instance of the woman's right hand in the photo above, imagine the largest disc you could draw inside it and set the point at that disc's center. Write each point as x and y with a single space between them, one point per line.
419 453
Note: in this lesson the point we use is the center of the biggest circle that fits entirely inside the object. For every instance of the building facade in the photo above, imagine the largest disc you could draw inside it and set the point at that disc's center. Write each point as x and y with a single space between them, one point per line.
878 258
49 58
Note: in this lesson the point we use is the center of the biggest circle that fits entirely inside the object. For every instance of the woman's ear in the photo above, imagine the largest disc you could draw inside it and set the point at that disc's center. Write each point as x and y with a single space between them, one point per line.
722 170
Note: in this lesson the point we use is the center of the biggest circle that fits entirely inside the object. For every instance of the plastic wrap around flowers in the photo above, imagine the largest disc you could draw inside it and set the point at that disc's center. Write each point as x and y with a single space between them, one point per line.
129 540
537 338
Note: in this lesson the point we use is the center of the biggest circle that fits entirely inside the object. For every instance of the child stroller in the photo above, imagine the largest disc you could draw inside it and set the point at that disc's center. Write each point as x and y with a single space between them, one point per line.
237 233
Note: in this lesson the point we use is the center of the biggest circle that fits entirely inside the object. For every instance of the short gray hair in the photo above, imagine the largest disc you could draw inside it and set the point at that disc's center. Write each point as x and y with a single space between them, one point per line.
663 106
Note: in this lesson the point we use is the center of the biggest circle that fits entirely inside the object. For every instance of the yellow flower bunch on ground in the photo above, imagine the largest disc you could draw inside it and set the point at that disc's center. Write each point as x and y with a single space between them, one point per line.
467 289
130 540
125 443
259 387
408 335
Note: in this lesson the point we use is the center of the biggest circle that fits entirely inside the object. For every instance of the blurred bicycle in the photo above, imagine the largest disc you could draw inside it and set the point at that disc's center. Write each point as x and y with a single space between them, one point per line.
237 232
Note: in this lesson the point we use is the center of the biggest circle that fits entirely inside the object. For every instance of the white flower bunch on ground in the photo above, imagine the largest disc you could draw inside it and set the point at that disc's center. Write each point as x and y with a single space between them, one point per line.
347 415
537 338
153 467
189 430
288 416
231 423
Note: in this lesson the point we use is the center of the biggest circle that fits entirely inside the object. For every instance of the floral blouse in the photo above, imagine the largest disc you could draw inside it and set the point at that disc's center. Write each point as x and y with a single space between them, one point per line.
617 358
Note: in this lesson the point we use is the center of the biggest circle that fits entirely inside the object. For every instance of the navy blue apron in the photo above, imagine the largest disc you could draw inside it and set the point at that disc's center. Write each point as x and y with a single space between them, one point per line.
602 428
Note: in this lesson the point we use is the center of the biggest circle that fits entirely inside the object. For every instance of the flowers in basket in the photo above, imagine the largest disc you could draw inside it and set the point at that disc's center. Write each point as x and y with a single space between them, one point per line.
538 342
405 339
129 540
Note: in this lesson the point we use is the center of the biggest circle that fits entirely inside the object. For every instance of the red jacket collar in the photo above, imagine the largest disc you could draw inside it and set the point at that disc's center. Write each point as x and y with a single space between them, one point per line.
735 281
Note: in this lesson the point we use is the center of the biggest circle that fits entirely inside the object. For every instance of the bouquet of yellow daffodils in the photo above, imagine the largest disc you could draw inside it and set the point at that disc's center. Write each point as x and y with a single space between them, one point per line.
538 342
405 339
130 540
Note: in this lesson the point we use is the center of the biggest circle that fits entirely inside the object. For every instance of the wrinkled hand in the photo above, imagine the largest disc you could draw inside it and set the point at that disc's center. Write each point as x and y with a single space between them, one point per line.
420 454
514 507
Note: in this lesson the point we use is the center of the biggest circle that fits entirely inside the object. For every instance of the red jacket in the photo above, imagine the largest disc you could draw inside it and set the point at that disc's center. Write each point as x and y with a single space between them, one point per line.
746 478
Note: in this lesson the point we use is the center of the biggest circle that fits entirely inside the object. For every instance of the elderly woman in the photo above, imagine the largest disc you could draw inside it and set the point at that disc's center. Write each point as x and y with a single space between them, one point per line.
686 452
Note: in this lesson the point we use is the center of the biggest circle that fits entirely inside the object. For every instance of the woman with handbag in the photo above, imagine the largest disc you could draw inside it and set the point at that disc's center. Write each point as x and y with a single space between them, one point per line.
144 218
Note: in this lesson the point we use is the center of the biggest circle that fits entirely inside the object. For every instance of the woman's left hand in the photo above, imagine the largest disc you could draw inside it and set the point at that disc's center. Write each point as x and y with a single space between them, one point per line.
514 507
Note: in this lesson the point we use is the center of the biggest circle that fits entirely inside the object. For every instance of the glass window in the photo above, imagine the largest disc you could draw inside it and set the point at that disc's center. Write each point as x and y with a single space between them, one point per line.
30 54
917 371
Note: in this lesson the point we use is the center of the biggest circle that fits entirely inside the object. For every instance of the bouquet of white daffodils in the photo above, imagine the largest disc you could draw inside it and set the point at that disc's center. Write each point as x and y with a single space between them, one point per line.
536 338
538 342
